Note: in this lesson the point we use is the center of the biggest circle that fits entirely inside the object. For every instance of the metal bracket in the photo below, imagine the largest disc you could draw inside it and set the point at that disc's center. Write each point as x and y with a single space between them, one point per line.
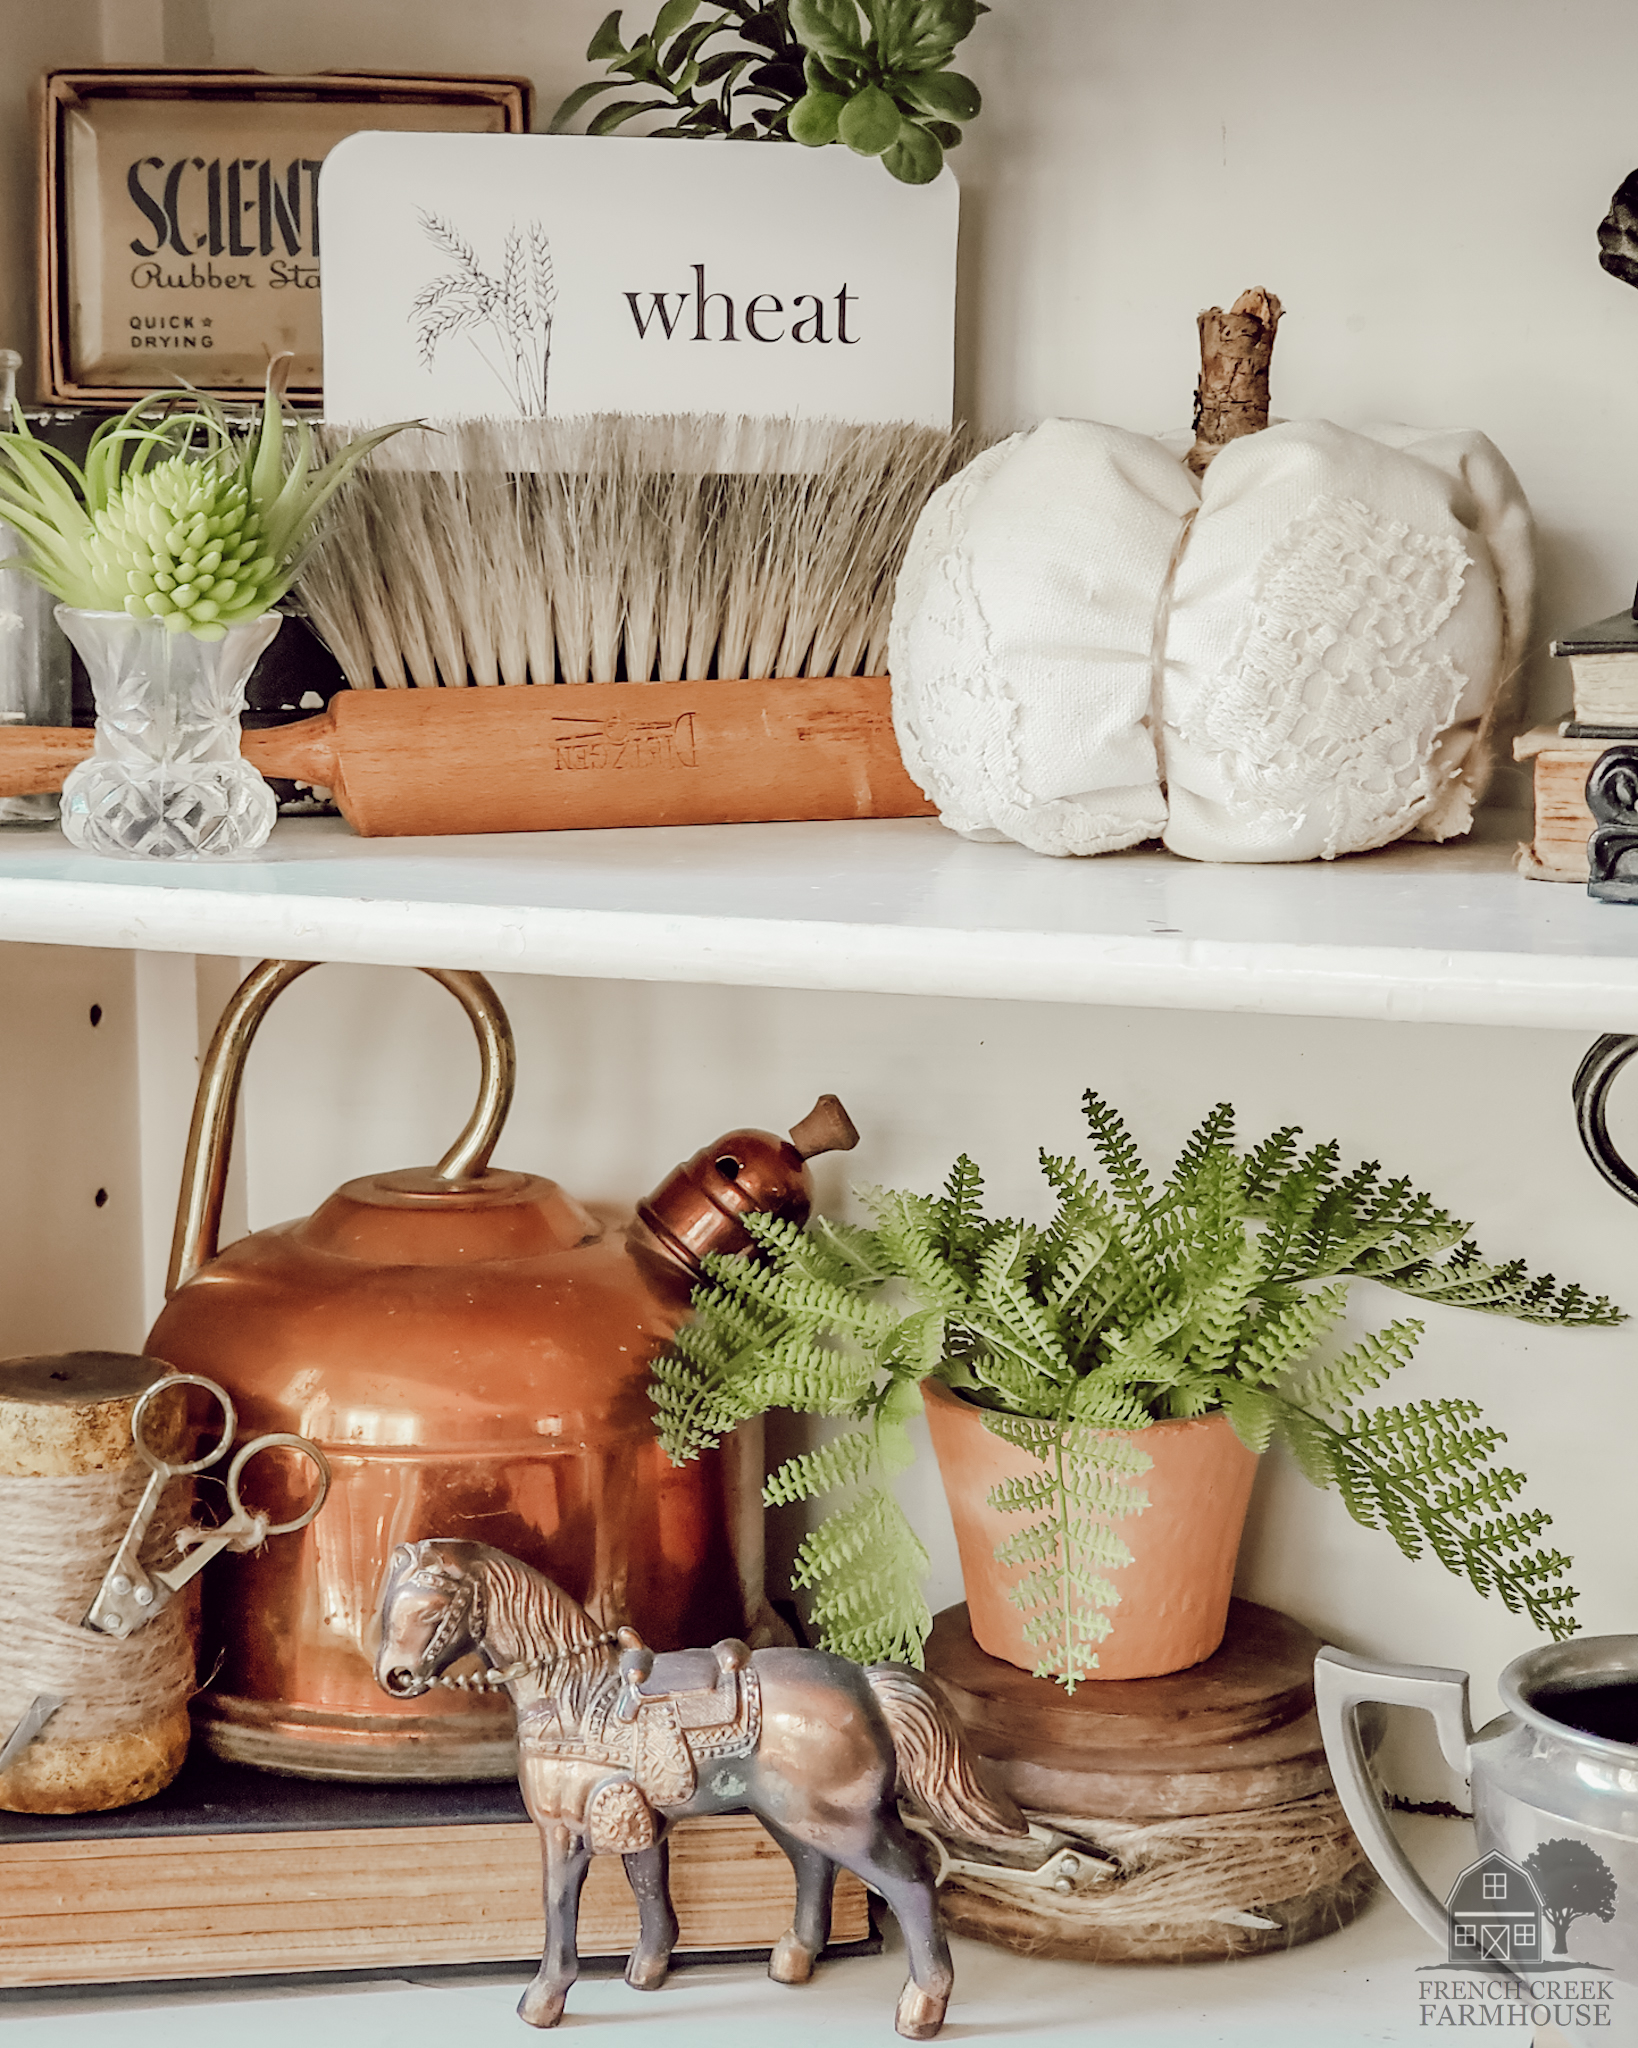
1589 1089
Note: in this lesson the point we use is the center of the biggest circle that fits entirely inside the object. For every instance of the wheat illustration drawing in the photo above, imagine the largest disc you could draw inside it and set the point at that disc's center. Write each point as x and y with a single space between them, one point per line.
507 319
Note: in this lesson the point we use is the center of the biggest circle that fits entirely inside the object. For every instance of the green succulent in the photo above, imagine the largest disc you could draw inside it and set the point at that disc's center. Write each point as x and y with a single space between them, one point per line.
883 86
734 73
810 71
177 518
182 543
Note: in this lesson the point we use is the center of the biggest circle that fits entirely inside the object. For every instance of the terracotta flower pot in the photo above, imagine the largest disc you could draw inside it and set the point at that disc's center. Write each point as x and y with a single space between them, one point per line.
1175 1592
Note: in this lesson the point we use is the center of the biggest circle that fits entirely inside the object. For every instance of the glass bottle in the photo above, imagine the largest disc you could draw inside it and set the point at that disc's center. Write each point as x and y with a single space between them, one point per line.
36 667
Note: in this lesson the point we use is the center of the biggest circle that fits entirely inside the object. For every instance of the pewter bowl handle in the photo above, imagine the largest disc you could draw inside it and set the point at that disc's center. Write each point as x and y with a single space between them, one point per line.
1342 1685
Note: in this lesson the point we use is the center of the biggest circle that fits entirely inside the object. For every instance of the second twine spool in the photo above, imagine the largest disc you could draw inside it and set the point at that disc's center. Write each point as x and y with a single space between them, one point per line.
70 1479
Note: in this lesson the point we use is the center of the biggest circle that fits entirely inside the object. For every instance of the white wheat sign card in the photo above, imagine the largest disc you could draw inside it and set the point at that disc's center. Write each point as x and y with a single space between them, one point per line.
552 275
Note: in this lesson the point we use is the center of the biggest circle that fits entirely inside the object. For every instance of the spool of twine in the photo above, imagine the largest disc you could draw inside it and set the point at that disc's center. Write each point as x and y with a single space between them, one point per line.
1190 1888
70 1480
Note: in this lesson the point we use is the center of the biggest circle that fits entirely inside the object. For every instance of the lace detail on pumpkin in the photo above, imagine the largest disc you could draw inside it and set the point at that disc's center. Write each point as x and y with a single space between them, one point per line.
966 718
956 714
1333 697
965 722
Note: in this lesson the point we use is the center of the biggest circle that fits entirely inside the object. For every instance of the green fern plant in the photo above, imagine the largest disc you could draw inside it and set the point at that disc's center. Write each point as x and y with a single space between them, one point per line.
1134 1304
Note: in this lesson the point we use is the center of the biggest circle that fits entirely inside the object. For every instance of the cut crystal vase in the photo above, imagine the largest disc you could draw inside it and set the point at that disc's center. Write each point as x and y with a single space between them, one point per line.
165 780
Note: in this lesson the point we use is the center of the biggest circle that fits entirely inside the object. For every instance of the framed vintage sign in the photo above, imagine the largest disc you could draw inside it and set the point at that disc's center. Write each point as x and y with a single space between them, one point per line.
553 275
179 216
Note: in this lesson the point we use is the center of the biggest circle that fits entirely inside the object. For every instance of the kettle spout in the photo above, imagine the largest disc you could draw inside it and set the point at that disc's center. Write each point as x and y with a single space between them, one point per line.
699 1207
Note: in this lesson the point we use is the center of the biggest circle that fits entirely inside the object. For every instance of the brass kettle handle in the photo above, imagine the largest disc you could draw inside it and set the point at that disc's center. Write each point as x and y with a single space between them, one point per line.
210 1136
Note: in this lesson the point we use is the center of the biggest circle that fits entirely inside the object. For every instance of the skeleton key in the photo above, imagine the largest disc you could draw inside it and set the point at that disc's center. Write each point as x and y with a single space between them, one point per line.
35 1715
130 1593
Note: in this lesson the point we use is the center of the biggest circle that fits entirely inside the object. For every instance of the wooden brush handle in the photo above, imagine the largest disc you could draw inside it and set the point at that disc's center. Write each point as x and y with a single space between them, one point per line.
36 759
547 757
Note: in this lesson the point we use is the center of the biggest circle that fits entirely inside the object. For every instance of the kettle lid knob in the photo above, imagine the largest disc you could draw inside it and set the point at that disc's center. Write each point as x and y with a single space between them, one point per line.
827 1127
698 1207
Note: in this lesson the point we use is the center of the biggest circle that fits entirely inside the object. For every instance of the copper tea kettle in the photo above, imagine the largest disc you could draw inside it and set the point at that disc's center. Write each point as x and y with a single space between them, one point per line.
470 1348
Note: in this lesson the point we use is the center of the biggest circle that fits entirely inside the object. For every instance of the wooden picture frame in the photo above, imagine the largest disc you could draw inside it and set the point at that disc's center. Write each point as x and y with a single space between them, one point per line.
179 222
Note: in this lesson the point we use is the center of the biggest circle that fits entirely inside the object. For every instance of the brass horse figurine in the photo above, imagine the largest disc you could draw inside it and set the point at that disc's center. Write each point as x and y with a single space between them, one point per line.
615 1742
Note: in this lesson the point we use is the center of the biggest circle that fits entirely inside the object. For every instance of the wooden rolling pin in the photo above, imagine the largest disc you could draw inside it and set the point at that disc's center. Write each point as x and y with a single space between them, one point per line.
543 758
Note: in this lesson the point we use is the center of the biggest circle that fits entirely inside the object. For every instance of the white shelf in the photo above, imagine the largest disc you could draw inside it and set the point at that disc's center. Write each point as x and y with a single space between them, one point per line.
1422 934
1360 1988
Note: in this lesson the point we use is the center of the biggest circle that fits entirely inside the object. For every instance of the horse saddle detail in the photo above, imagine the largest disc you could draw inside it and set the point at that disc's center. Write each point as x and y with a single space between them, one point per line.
653 1741
711 1705
661 1762
672 1729
619 1820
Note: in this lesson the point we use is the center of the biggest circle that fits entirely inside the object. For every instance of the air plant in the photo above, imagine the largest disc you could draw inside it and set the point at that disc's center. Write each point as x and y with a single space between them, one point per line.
177 518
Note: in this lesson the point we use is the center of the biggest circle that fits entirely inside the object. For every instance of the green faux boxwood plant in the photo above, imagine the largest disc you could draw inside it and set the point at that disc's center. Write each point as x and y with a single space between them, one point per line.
1134 1304
874 74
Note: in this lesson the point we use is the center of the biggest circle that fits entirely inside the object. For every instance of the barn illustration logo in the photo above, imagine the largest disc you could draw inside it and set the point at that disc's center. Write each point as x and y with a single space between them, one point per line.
1508 1949
1520 1914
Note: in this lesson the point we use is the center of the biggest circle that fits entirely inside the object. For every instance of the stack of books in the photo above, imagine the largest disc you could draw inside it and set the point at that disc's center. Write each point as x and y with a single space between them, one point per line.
231 1872
1604 680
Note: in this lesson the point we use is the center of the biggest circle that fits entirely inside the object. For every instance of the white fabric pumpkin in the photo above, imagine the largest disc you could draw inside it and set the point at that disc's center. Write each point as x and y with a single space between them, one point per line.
1290 657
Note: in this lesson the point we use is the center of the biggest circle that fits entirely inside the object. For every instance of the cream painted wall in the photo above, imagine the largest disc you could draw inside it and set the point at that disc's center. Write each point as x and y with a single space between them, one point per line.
1420 180
365 1069
70 1262
36 39
59 35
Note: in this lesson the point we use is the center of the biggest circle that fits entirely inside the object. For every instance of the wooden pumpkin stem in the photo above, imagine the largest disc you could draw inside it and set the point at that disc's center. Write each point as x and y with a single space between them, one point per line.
1231 398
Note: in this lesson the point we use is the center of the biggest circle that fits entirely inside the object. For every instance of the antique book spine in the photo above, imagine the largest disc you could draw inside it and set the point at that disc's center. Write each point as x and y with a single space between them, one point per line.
117 1909
1563 823
1605 688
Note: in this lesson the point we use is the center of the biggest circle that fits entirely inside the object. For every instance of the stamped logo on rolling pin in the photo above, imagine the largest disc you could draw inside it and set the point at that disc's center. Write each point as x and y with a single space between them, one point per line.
579 744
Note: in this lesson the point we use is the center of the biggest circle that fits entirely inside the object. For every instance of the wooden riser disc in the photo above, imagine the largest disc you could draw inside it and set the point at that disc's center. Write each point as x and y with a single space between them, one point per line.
1234 1732
1208 1788
1137 1785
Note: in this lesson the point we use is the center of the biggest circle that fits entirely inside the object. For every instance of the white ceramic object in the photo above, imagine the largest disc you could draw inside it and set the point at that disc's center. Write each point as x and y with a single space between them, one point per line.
1292 657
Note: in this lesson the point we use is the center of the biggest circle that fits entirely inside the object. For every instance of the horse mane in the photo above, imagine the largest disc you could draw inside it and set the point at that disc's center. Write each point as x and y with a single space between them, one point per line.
543 1622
